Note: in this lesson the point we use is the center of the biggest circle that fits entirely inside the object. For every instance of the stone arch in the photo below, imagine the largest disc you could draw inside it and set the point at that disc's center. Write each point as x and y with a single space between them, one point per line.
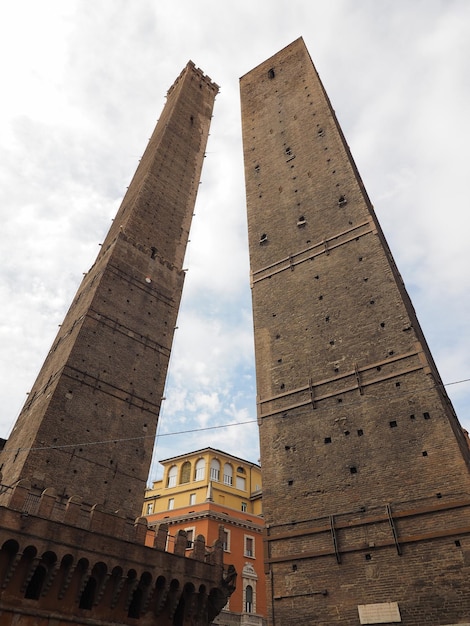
114 587
249 579
90 593
201 603
160 594
172 476
8 555
139 596
185 473
135 605
200 469
41 573
130 585
36 582
249 599
216 601
10 546
78 580
172 597
87 596
215 470
62 579
228 474
183 604
24 570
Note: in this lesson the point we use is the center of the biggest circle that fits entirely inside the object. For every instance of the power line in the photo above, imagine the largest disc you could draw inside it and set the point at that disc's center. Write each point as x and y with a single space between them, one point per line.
140 438
457 382
189 431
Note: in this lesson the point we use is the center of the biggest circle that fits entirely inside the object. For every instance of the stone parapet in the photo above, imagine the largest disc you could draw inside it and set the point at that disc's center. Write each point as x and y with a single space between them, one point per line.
96 566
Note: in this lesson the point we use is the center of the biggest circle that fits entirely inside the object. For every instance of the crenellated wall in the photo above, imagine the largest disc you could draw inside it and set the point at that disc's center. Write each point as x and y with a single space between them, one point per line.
82 565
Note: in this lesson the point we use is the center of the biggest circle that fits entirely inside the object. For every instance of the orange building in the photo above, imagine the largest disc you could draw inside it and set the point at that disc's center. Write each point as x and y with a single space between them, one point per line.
199 492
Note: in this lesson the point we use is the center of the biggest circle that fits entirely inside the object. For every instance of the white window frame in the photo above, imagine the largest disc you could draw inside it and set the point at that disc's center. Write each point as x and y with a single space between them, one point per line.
228 474
245 601
172 476
192 499
200 472
227 544
249 578
240 483
215 470
191 529
171 504
245 549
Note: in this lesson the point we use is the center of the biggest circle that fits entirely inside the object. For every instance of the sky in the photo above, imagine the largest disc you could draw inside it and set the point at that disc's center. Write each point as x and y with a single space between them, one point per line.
83 84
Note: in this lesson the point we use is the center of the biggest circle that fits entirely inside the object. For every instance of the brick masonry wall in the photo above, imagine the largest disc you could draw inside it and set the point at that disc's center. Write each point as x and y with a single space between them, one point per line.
104 377
64 564
353 415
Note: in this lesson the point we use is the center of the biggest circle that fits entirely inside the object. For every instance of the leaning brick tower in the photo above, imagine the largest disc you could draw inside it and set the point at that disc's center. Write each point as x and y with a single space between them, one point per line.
89 423
366 483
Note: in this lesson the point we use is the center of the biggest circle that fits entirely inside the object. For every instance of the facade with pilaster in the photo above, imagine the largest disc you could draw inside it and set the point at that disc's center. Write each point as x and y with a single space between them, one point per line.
198 492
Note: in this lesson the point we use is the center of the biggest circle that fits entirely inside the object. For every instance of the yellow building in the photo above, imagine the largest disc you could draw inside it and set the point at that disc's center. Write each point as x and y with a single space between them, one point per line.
199 492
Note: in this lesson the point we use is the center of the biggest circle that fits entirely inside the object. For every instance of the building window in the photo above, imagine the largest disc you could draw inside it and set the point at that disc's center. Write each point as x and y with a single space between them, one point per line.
249 546
226 541
185 473
249 599
172 474
249 578
244 507
215 470
192 499
241 483
149 508
200 469
240 470
228 474
171 504
189 538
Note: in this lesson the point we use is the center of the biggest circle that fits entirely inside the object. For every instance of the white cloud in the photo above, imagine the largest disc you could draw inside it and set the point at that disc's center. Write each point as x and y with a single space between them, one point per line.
83 86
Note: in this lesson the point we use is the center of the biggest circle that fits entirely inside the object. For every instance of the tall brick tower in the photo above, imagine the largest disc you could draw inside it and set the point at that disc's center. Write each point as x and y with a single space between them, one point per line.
366 484
89 423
